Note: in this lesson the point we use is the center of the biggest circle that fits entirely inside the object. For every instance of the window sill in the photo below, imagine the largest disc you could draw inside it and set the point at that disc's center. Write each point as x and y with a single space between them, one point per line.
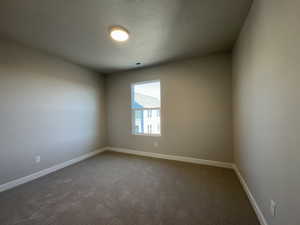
148 135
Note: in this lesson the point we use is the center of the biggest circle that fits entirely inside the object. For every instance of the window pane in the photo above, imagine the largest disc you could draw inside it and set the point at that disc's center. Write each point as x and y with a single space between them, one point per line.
146 95
146 121
138 122
154 121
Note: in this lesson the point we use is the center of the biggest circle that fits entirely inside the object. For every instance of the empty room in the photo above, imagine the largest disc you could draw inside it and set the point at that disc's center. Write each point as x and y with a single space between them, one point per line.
149 112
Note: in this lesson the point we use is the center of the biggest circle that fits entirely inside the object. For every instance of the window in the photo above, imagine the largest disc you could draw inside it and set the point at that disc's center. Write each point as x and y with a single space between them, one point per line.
145 106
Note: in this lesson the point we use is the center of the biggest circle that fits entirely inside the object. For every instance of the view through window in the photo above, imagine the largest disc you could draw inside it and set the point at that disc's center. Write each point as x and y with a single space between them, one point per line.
145 105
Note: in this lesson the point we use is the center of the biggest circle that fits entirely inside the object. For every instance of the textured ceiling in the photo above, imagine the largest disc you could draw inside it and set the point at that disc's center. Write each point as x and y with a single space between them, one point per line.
160 30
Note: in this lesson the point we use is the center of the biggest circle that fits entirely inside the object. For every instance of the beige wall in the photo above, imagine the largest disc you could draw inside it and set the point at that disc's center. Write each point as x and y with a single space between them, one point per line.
48 107
196 108
267 109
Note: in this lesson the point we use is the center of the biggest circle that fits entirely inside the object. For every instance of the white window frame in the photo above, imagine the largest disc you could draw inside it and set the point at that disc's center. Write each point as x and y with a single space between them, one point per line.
133 110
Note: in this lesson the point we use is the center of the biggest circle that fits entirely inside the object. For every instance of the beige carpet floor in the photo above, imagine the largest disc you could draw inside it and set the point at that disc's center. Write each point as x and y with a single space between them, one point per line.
119 189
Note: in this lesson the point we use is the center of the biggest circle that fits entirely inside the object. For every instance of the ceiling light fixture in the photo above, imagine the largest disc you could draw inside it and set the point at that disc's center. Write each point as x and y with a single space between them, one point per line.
119 33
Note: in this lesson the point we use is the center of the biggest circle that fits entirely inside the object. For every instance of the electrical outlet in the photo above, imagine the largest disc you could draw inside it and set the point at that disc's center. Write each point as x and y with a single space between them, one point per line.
155 144
273 207
37 159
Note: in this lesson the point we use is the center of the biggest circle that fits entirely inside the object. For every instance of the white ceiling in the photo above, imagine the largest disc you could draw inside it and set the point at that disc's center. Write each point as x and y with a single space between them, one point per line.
160 30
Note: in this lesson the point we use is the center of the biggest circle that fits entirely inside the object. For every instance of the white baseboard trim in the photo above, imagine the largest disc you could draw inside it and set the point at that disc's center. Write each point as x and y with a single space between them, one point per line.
251 198
173 157
23 180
